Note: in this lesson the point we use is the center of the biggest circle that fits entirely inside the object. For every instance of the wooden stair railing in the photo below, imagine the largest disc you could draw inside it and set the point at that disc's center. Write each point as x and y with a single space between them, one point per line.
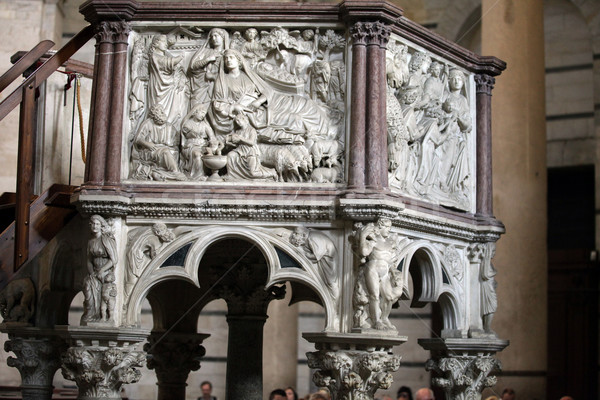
24 63
25 96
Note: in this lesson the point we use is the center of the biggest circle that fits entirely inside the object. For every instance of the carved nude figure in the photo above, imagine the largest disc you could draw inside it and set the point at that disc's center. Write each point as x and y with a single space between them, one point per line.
203 68
156 149
378 250
102 260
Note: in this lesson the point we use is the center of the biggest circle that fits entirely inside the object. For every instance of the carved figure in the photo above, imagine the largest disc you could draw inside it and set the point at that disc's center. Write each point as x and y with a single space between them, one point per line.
243 162
109 296
252 49
325 152
305 46
489 300
197 139
379 256
327 175
167 81
156 149
321 250
320 74
282 159
143 247
239 89
139 81
203 68
17 301
102 259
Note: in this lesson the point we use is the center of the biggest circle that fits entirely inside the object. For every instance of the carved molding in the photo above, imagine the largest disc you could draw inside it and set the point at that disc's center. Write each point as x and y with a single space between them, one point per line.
352 374
464 377
37 358
484 84
100 371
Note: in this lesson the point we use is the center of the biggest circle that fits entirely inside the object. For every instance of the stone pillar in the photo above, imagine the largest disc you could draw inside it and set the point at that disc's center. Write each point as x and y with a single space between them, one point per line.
484 85
378 35
353 366
38 355
356 170
173 356
121 31
101 361
100 104
514 32
464 366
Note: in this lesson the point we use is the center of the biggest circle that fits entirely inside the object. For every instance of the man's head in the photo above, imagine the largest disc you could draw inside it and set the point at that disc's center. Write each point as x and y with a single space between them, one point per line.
278 394
424 394
508 394
206 388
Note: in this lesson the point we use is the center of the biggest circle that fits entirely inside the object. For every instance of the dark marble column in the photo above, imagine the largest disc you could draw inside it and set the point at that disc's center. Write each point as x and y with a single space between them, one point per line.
484 85
376 134
101 103
113 157
173 357
356 170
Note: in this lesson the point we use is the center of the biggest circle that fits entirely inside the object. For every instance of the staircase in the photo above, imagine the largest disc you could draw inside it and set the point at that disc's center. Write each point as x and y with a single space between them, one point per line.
29 222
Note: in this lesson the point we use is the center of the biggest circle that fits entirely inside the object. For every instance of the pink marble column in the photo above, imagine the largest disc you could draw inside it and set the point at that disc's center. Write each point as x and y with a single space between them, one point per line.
484 85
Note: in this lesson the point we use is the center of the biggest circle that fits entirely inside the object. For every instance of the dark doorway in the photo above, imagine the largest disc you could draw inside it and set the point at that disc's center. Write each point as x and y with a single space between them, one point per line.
572 284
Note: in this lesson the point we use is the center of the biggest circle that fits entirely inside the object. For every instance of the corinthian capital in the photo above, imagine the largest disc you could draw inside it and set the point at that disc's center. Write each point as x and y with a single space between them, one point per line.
37 359
112 31
484 83
378 33
353 374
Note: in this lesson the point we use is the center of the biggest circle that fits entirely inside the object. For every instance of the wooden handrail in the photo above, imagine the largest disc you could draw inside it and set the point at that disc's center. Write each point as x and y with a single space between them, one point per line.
46 69
25 95
24 63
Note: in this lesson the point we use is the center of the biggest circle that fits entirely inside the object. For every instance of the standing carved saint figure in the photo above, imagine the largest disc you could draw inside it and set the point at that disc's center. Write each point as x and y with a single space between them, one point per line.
378 250
167 81
321 250
101 263
489 299
203 68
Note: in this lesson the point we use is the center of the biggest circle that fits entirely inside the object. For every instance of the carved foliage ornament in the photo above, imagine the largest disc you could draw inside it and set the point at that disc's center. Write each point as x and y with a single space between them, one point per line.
112 32
37 359
252 105
464 377
353 375
173 359
101 371
429 125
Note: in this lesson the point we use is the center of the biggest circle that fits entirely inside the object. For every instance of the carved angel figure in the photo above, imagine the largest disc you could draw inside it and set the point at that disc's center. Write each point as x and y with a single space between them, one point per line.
102 260
379 254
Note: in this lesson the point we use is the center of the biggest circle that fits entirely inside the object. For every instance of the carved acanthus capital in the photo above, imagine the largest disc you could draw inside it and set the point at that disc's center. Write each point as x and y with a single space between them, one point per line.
120 30
353 374
484 83
464 377
100 371
378 33
104 32
475 252
359 33
37 359
174 356
252 301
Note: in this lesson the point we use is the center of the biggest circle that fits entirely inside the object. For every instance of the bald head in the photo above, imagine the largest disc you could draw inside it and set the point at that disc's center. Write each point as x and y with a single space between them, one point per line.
424 394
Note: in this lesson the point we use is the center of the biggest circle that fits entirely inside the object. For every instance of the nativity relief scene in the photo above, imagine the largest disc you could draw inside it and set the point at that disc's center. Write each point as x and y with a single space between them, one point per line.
237 105
430 124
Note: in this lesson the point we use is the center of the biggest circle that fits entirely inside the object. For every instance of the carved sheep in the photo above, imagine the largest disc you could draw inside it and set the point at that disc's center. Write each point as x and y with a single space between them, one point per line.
280 158
323 175
326 151
17 301
304 160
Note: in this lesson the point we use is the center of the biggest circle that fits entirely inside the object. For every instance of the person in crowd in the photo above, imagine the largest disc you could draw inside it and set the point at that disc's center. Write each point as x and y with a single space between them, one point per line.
508 394
291 393
206 388
278 394
404 393
424 394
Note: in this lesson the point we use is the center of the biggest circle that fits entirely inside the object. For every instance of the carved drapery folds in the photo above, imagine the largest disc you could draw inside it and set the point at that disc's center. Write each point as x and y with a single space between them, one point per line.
256 105
100 371
481 254
429 121
353 374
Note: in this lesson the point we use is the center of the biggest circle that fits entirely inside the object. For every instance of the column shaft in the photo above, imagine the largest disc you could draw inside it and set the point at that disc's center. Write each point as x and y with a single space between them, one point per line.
356 170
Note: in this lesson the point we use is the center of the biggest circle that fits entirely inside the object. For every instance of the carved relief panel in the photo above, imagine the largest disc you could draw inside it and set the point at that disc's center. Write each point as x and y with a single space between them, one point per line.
431 127
228 104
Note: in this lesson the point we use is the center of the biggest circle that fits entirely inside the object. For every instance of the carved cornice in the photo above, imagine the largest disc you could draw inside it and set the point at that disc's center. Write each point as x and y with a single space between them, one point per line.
353 374
484 83
37 358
